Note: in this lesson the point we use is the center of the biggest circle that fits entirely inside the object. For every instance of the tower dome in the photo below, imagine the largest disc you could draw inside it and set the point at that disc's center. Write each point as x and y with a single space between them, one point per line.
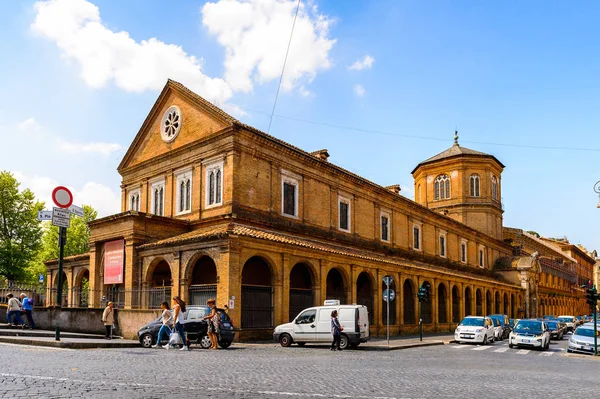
463 184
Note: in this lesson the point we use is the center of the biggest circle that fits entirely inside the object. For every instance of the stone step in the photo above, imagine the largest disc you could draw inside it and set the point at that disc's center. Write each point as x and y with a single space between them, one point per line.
19 332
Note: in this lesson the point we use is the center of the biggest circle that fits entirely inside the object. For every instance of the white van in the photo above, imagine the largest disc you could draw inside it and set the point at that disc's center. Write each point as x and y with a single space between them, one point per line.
314 325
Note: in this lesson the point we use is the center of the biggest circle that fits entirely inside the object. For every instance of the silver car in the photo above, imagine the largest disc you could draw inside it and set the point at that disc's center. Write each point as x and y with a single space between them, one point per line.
582 340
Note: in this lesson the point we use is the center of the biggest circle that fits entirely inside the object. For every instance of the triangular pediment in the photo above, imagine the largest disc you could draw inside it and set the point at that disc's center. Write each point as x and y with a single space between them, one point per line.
199 119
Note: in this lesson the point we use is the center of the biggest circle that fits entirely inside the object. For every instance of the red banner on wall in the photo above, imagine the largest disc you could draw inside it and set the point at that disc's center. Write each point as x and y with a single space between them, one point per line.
114 255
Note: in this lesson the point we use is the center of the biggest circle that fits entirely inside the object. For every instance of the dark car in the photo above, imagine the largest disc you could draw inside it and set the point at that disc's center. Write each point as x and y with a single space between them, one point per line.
556 329
504 322
195 328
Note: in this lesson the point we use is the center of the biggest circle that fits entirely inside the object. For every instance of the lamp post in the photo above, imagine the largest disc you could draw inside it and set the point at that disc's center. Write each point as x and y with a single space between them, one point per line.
597 191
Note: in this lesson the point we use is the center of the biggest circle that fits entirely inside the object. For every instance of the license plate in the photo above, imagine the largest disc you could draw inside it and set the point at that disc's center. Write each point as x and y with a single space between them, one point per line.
526 341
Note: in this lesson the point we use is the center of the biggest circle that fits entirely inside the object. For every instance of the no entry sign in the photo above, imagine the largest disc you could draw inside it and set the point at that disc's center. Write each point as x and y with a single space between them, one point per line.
62 197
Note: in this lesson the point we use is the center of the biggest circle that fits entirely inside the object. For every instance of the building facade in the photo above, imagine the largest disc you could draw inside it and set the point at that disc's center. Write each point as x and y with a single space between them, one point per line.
212 207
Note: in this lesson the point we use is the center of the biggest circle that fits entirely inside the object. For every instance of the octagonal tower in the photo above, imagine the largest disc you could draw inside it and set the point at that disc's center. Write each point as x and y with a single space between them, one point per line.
463 184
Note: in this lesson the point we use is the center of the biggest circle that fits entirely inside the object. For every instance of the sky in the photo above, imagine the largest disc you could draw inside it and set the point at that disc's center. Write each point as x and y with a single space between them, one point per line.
382 84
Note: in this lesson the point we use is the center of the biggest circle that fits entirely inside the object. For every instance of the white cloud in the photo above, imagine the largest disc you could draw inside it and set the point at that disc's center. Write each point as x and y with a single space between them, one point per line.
104 149
104 55
365 63
100 197
29 125
359 90
304 92
255 34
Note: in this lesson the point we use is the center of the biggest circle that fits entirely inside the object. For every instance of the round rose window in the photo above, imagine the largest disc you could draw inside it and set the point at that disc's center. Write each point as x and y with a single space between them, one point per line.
171 124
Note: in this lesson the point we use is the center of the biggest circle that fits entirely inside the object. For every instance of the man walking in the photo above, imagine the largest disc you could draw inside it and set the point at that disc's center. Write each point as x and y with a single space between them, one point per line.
27 304
13 311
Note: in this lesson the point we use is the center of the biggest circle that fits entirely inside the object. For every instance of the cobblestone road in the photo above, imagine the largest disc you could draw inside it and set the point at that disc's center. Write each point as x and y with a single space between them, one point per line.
450 371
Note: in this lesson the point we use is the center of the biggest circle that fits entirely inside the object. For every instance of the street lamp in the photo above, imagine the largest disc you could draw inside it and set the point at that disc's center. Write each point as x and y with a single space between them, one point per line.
597 190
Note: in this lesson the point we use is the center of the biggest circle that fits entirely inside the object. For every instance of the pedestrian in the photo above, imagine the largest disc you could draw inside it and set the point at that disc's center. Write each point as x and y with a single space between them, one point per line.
167 320
336 331
178 316
108 318
213 323
13 311
27 304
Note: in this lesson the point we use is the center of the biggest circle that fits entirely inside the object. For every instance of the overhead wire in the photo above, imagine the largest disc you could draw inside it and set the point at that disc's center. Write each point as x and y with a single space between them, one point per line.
283 68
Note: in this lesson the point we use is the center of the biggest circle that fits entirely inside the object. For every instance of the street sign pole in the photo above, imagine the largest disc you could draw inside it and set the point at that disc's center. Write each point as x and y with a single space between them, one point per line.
62 235
388 314
420 322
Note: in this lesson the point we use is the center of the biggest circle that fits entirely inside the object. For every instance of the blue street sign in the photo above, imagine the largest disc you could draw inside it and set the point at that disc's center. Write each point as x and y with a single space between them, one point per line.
392 295
41 278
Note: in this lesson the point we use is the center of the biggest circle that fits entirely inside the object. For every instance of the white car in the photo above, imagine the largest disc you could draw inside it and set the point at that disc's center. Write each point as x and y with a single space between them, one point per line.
582 340
476 329
498 330
570 321
530 334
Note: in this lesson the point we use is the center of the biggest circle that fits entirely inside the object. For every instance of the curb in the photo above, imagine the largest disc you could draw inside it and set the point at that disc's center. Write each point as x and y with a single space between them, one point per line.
71 345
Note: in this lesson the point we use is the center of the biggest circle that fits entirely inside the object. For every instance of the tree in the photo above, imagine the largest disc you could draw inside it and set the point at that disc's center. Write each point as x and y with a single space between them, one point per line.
20 232
78 236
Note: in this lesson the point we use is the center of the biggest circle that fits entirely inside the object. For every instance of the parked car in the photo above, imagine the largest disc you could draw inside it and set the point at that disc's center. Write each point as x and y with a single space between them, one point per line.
569 321
582 340
194 327
498 330
314 325
512 322
531 334
504 322
556 329
476 329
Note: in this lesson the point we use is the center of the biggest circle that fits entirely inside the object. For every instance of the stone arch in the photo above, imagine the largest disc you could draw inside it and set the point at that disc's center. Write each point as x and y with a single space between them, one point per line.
336 285
301 289
81 288
455 305
408 296
488 302
468 302
365 293
478 302
513 306
257 293
163 265
426 307
497 302
202 278
442 313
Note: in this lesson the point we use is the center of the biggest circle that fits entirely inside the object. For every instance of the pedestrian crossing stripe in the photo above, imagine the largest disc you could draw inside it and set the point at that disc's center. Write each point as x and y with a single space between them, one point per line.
500 350
481 348
523 351
459 346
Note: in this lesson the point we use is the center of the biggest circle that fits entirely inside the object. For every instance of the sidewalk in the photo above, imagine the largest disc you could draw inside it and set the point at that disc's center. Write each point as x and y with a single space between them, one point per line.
67 339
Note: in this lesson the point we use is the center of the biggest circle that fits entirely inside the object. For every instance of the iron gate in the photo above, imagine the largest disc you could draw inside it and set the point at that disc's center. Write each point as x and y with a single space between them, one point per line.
300 299
198 294
257 306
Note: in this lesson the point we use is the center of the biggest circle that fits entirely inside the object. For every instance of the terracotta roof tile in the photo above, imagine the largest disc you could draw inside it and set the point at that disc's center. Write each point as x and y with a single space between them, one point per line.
200 234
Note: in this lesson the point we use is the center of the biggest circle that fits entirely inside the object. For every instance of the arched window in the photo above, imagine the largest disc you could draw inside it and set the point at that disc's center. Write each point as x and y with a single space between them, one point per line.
474 186
494 188
441 187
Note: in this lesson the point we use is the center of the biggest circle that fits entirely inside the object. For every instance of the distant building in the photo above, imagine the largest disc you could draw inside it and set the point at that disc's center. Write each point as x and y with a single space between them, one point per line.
212 207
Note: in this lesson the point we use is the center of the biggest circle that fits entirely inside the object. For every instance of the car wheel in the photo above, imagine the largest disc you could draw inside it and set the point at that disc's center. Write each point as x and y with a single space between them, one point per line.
301 343
569 350
225 344
511 346
485 341
344 342
147 340
205 342
285 340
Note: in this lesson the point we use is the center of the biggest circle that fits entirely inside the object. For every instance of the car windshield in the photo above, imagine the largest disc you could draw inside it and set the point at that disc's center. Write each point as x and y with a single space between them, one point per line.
472 322
529 325
566 319
585 332
553 325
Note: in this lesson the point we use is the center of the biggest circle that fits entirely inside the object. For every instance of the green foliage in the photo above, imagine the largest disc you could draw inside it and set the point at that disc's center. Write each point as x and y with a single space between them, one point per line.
78 236
534 233
20 232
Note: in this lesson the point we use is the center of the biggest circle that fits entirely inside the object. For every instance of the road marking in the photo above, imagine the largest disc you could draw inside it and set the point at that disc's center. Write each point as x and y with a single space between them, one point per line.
252 392
546 353
459 346
523 351
481 348
35 347
500 350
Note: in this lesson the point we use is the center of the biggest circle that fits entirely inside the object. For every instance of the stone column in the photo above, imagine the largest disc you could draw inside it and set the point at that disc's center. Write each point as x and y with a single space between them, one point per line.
130 273
323 270
278 300
96 283
380 310
286 269
229 282
352 283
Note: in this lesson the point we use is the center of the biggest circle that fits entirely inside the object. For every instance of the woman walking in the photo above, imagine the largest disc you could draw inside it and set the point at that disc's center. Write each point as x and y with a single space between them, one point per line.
178 311
336 331
167 318
213 323
108 318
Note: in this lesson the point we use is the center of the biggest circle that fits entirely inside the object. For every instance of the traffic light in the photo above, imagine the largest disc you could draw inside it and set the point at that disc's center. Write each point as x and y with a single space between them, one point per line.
592 297
422 294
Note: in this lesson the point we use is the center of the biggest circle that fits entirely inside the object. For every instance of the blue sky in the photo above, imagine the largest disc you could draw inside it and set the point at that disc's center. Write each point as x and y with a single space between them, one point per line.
513 77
